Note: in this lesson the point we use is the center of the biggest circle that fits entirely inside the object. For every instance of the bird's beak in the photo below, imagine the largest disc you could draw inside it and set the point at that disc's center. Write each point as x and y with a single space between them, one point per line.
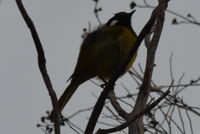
131 13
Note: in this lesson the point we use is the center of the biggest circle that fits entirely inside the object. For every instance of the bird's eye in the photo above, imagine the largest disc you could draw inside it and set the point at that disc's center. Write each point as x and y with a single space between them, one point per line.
113 23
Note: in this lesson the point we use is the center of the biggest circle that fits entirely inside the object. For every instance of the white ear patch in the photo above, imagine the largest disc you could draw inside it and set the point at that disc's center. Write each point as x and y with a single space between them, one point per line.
114 22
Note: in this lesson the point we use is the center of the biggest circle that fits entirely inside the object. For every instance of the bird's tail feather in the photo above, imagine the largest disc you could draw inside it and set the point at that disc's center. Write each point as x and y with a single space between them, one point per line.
65 97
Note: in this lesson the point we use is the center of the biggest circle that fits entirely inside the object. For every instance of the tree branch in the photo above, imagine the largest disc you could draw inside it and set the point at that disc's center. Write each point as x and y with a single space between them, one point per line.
116 105
41 63
137 127
146 110
187 20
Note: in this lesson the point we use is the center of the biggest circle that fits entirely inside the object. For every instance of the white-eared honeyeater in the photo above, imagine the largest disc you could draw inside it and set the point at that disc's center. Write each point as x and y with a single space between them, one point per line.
101 53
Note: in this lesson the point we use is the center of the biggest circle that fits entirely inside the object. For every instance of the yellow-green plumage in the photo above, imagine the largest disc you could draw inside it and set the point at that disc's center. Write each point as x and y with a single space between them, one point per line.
102 51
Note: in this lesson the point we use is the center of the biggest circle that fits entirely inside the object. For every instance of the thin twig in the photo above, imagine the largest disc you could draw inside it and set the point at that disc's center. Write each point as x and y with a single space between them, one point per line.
190 121
174 13
79 111
71 125
116 105
182 122
124 125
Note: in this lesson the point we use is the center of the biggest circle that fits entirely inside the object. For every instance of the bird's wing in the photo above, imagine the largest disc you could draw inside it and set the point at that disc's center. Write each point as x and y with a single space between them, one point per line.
100 53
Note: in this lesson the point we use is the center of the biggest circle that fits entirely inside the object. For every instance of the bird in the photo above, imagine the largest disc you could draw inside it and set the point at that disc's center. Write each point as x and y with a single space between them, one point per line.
101 53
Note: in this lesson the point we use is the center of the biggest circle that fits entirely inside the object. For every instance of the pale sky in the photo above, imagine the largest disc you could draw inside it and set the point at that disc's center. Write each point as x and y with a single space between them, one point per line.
23 96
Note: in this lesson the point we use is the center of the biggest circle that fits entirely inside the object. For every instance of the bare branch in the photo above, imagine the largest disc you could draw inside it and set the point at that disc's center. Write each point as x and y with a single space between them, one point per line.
97 10
41 63
187 20
116 105
124 125
74 127
190 121
79 111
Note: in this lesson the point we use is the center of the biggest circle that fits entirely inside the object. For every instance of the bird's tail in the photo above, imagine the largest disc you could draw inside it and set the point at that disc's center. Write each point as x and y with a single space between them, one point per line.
65 97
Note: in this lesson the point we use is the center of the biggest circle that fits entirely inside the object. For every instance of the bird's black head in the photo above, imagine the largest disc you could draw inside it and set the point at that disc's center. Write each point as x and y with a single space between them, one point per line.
121 18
